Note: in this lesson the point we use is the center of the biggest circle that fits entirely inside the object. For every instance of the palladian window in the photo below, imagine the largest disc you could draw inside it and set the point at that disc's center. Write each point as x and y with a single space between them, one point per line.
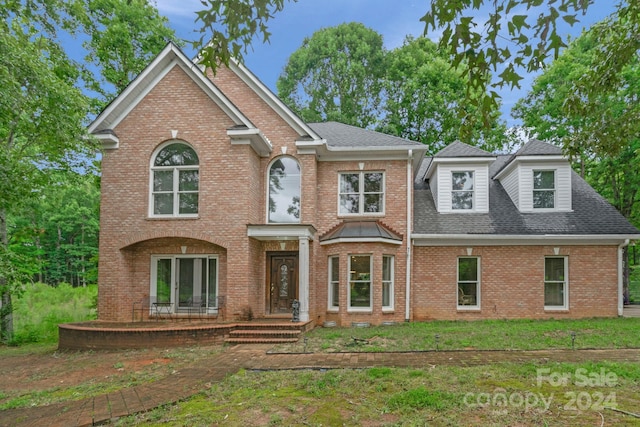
284 191
175 181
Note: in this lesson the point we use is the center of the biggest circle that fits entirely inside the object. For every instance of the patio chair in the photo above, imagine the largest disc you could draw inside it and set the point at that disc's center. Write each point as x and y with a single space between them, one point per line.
196 304
464 299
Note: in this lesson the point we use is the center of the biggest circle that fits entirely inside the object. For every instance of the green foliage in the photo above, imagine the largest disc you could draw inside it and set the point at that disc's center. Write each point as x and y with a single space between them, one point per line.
336 75
421 398
40 308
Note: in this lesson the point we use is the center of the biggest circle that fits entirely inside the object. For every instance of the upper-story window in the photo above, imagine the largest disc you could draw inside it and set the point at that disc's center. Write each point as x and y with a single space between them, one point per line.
361 193
544 189
284 191
462 190
175 181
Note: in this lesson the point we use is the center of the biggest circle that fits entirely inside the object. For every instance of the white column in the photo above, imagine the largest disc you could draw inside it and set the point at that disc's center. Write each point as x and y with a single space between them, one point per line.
303 278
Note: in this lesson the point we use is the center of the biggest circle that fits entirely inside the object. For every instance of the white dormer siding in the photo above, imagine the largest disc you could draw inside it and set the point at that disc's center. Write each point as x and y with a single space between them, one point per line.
517 180
441 185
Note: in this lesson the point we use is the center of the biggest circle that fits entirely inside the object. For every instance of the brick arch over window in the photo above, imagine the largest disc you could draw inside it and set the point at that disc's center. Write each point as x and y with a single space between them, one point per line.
136 238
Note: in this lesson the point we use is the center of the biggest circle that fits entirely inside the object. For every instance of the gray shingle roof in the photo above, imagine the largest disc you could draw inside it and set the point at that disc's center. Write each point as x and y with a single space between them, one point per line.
536 147
460 149
591 215
341 135
361 229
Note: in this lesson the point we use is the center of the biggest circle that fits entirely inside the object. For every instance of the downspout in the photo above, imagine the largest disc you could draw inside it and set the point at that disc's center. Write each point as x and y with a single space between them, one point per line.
407 303
621 276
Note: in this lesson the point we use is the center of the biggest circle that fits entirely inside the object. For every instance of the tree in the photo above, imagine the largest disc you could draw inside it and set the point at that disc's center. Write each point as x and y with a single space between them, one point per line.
124 37
518 34
422 97
336 75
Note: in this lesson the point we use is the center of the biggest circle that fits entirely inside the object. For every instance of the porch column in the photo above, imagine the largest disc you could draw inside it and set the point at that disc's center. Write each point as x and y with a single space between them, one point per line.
303 279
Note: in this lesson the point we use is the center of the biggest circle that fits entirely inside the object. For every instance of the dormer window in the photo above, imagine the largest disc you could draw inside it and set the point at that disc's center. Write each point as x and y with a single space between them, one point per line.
544 189
462 189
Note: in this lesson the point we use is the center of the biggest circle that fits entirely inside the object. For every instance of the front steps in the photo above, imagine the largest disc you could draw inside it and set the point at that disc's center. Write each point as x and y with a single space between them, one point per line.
265 333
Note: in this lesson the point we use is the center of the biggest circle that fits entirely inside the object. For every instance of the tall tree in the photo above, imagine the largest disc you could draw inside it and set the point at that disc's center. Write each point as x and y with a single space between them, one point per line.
336 75
422 97
41 127
124 37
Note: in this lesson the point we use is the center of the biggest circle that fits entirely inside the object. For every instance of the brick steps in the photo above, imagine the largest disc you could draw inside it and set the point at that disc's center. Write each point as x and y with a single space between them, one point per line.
264 334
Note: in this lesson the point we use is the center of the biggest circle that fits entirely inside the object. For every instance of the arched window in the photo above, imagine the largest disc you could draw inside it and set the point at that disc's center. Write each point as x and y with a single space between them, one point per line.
284 191
175 181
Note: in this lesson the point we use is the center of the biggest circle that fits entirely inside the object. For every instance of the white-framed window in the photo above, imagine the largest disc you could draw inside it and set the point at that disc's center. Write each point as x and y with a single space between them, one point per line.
388 266
284 191
544 189
334 283
185 282
360 297
175 181
556 292
361 193
468 282
462 190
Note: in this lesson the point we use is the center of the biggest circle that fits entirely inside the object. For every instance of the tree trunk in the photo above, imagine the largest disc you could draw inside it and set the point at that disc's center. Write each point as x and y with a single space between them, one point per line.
6 308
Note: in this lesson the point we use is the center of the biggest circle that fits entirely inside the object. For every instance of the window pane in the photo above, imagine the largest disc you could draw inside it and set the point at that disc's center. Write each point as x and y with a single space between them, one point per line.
360 283
373 203
468 269
554 269
163 180
188 180
188 203
386 294
543 180
163 204
554 294
462 181
284 191
163 280
467 294
211 283
386 268
335 296
462 200
373 182
335 269
349 183
360 294
349 203
176 155
544 199
360 267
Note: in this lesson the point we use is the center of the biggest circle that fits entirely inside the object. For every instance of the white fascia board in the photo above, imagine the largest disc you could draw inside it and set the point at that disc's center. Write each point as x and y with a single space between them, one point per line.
281 231
253 137
456 160
361 240
519 240
109 141
271 99
529 159
170 56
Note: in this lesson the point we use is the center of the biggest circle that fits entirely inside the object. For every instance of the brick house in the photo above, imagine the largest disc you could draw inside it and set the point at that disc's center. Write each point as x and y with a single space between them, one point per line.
215 195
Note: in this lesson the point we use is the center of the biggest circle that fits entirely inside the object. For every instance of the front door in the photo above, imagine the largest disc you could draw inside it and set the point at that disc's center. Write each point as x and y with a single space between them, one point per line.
283 281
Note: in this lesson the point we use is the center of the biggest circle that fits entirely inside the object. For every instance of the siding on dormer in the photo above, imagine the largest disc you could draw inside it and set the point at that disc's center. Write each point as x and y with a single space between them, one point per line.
442 183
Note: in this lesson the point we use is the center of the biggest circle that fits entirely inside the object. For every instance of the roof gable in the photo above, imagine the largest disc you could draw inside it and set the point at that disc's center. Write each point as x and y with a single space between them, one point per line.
460 149
536 147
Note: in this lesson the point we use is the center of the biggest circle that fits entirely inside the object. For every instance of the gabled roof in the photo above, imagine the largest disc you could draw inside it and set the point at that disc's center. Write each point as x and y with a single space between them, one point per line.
535 147
460 149
340 135
361 231
592 216
170 57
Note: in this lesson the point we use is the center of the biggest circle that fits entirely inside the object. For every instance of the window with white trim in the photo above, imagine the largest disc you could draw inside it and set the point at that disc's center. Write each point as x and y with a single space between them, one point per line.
555 283
334 282
361 193
387 281
284 191
360 297
462 190
175 181
468 282
544 189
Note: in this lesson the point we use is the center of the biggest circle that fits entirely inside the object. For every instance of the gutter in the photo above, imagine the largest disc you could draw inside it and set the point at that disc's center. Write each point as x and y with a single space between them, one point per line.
621 276
407 303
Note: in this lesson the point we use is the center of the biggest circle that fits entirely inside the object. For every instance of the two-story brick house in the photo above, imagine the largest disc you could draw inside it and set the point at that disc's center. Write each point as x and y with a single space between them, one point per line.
214 192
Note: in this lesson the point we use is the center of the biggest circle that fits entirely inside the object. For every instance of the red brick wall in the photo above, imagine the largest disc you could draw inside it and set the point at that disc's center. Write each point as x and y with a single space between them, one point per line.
512 282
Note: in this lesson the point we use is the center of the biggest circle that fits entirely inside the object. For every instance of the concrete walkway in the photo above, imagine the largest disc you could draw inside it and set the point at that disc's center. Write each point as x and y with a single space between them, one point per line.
187 382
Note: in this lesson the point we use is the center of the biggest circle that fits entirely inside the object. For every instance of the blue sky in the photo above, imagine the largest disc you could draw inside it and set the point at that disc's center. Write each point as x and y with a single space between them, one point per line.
394 19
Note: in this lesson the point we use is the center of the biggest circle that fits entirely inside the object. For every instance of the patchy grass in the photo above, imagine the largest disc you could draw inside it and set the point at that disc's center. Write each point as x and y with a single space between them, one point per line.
496 395
477 335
